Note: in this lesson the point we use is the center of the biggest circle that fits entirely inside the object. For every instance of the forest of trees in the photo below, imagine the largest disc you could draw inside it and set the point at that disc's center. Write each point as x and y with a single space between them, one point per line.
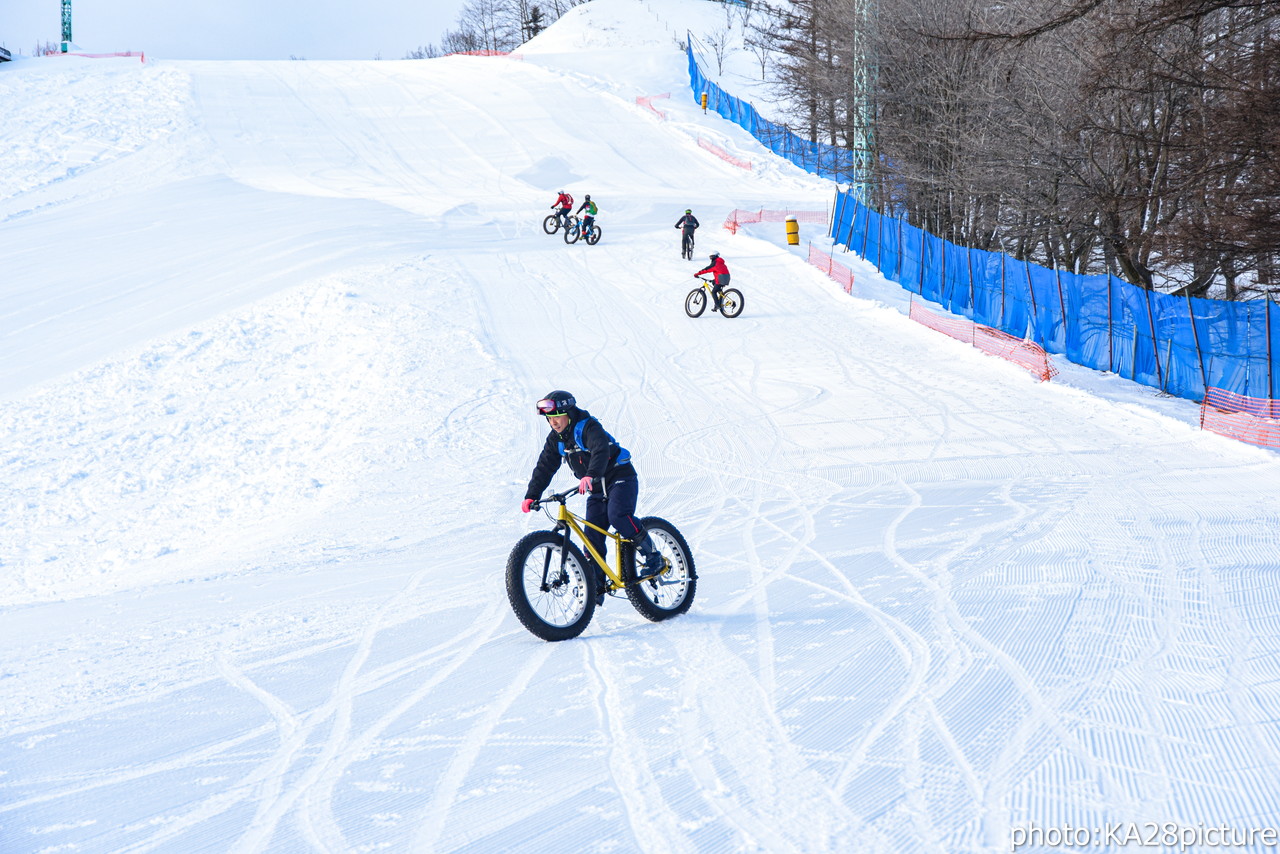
1138 137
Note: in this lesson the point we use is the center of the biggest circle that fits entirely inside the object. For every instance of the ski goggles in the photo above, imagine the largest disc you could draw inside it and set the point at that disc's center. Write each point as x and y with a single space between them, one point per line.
547 406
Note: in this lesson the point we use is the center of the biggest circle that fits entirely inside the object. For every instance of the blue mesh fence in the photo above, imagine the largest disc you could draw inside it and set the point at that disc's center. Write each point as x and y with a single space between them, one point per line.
829 161
1180 345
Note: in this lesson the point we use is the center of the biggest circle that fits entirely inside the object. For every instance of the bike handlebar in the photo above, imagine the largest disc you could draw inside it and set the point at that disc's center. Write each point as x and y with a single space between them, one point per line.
560 497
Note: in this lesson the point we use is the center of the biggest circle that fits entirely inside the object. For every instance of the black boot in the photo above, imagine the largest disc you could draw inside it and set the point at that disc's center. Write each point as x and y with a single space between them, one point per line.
602 583
649 561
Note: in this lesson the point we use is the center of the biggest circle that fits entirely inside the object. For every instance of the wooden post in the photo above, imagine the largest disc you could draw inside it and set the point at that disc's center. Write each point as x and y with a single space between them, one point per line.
897 272
1062 305
973 299
1271 371
879 238
1002 257
1111 350
1195 336
1155 349
865 231
1035 312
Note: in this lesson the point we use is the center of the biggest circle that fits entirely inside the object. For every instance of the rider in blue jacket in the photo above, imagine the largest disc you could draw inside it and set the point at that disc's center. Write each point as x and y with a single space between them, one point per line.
604 472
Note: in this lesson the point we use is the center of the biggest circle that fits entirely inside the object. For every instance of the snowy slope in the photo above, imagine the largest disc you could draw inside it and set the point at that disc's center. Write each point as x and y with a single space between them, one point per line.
271 337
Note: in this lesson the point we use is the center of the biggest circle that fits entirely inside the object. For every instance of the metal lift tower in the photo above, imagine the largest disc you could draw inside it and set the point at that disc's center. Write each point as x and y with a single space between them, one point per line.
66 25
862 111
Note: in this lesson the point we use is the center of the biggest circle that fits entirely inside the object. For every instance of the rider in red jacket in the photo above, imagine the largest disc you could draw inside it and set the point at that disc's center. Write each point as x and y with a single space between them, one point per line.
565 203
720 274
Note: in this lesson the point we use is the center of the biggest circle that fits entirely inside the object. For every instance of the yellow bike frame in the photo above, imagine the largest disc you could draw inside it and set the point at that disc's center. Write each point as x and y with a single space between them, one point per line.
567 518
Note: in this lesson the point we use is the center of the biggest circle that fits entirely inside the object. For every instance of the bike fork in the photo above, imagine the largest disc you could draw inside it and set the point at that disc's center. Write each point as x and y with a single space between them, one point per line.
546 562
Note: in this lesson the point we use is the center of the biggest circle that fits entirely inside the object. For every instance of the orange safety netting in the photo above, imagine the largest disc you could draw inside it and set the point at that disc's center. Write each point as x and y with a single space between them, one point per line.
647 102
1021 352
740 218
833 268
723 155
1255 420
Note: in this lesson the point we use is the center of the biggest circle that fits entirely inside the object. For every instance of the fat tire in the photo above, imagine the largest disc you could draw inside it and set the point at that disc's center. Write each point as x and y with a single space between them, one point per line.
579 592
696 302
670 593
551 224
594 237
731 302
570 234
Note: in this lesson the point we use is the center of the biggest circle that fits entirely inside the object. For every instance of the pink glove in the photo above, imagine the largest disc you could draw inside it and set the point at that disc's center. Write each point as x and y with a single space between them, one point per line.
526 505
584 486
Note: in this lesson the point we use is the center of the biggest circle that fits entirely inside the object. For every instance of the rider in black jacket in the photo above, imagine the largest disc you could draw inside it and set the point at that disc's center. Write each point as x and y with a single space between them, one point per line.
687 224
604 472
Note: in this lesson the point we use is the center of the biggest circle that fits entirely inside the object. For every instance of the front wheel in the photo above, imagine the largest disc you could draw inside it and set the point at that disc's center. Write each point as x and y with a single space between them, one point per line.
669 593
571 233
594 237
731 302
696 302
551 224
549 587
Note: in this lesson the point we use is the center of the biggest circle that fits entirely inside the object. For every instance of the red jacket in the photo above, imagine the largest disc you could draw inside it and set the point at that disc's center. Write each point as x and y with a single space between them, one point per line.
717 268
564 200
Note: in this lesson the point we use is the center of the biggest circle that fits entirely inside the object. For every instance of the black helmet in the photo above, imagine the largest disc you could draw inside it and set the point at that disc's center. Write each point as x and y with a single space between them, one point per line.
587 197
556 402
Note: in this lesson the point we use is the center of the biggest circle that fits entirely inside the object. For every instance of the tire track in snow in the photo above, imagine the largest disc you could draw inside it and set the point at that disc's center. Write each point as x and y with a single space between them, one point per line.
1044 712
274 805
432 820
747 768
655 825
318 803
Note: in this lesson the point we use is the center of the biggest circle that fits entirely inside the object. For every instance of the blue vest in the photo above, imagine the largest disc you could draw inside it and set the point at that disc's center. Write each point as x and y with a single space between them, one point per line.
624 456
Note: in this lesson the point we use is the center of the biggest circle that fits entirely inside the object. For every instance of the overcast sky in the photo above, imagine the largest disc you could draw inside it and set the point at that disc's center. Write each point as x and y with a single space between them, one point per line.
233 29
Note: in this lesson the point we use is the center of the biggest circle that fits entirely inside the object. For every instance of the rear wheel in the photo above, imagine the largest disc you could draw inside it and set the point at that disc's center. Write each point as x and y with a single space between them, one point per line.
696 302
731 302
594 237
554 600
669 593
551 224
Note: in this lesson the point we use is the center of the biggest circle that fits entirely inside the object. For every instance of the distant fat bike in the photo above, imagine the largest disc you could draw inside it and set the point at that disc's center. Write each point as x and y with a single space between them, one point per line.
553 588
686 245
573 231
731 301
553 222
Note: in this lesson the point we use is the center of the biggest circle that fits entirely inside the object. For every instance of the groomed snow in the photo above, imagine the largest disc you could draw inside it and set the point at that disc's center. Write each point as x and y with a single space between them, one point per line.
270 337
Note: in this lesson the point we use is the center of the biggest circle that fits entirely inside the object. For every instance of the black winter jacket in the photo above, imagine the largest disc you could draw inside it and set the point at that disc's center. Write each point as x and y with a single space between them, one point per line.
688 222
598 459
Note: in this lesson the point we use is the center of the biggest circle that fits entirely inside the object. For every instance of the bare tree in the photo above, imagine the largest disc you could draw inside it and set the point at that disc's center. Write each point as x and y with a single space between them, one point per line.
759 48
427 52
719 42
